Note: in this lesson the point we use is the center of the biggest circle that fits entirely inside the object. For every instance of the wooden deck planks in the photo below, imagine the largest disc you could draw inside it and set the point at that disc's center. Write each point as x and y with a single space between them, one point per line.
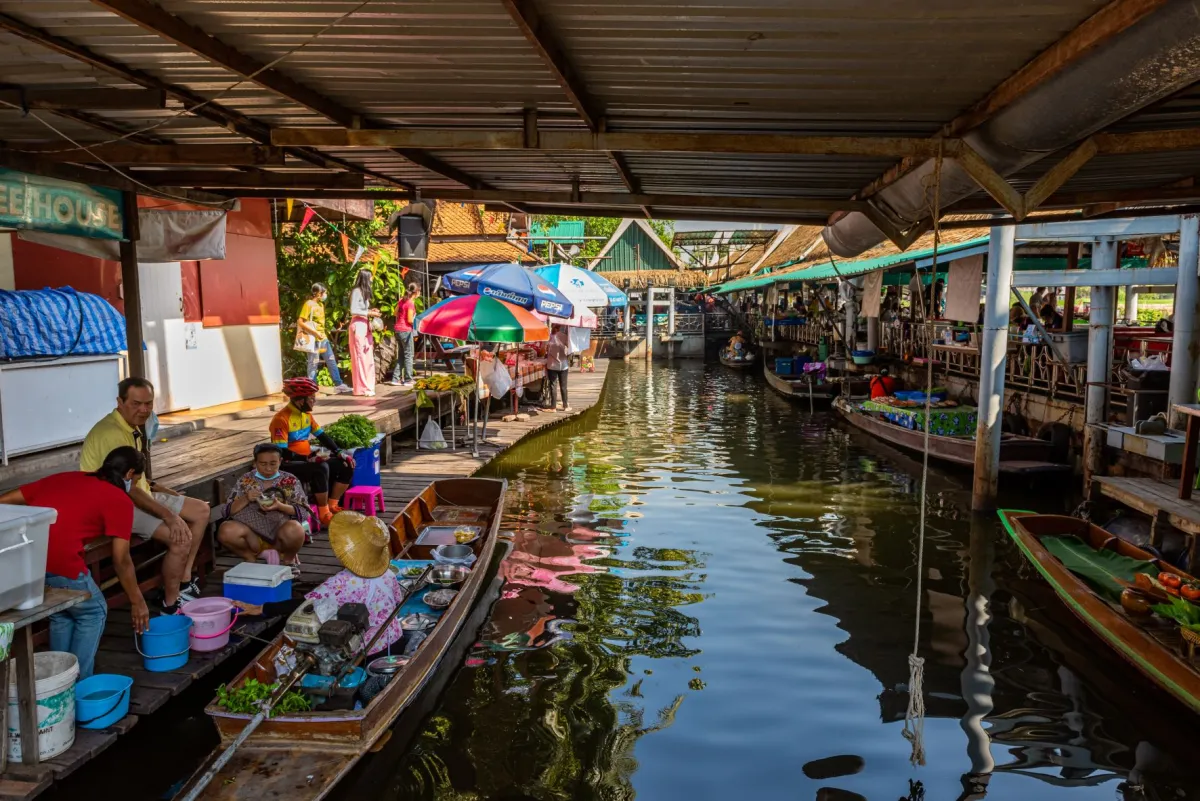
1150 496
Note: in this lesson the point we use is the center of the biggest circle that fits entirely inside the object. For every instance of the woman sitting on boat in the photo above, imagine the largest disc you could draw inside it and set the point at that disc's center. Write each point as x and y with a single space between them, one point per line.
737 346
362 545
264 513
882 385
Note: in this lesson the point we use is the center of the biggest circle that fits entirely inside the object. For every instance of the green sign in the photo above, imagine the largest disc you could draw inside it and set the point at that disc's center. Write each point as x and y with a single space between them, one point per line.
34 203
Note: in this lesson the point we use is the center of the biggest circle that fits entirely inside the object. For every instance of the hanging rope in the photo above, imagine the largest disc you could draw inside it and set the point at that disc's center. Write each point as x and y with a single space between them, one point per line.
914 717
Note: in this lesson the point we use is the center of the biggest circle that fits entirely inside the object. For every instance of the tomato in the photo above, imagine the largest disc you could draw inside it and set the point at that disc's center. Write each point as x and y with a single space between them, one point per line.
1171 580
1190 591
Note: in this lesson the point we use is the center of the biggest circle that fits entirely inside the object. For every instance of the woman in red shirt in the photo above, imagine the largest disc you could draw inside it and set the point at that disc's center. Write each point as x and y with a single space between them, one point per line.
89 505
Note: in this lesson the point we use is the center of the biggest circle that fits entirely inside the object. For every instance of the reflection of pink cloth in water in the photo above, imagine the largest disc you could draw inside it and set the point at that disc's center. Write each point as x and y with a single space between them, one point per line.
541 560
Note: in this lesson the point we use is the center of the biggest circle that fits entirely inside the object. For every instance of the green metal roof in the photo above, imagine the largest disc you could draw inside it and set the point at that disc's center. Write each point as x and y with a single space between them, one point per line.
564 232
845 269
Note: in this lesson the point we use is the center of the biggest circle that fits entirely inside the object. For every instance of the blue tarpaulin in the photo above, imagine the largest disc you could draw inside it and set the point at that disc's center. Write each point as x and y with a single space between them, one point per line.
58 322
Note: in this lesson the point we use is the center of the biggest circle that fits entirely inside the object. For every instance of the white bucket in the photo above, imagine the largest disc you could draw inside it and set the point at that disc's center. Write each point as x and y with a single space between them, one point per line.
55 673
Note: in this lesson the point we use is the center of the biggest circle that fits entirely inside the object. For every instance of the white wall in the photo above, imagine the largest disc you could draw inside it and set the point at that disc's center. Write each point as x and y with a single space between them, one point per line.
193 366
8 278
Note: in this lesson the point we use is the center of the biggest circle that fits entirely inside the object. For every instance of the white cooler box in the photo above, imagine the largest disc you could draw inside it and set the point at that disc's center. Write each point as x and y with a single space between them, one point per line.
24 538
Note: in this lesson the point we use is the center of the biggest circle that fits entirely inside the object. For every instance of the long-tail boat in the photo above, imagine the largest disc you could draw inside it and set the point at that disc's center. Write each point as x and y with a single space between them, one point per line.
1018 455
302 755
1152 644
822 395
738 364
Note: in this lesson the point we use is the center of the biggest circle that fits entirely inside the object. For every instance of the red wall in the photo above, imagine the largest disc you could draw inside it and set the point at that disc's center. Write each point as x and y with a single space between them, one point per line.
243 289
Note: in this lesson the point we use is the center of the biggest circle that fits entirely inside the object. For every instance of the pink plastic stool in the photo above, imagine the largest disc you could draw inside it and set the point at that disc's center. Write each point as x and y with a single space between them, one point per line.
362 499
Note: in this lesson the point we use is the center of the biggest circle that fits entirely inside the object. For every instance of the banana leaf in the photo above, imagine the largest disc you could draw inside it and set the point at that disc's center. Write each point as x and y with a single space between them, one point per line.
1099 569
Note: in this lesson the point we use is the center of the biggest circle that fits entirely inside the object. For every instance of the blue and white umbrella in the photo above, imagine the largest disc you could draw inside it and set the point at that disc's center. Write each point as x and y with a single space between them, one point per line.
513 284
583 286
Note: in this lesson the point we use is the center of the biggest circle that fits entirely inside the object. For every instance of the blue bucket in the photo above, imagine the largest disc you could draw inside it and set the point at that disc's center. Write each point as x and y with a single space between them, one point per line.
165 645
101 700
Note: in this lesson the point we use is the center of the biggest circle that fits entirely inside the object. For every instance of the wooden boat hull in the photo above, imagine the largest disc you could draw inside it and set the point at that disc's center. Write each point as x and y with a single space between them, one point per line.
737 365
303 755
822 396
1018 455
1135 644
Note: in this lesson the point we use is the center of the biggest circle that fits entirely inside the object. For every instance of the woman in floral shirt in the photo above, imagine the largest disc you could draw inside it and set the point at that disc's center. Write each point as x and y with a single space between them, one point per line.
264 512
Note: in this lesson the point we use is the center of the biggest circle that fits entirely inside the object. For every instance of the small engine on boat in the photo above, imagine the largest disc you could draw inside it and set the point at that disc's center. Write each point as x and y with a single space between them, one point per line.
338 643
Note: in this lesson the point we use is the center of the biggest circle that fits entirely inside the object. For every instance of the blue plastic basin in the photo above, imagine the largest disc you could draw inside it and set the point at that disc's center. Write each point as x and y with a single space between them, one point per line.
164 646
101 700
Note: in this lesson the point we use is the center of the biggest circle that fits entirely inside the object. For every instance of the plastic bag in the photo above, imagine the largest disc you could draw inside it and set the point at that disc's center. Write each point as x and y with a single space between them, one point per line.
431 436
498 380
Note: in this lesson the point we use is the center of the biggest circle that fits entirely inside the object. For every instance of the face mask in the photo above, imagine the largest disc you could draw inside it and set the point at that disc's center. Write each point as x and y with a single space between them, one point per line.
261 477
128 484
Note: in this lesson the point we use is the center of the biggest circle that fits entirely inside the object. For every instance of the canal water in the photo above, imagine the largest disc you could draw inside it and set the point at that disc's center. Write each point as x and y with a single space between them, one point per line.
712 594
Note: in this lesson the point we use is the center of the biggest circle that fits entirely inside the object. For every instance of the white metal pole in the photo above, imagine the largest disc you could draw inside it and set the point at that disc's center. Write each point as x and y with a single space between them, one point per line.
1131 305
1099 366
993 353
649 322
1187 296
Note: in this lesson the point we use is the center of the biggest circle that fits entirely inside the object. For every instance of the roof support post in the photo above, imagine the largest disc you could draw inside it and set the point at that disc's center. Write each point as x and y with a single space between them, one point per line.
1187 308
993 355
1099 366
131 289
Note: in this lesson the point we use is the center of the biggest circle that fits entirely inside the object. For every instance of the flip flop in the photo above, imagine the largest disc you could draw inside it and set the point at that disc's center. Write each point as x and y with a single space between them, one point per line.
271 556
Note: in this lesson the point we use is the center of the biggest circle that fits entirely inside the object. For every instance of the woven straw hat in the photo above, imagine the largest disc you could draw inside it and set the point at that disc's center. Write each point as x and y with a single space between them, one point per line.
360 543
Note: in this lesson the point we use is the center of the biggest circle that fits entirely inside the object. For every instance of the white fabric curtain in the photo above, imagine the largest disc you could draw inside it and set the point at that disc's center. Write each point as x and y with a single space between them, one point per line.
872 294
962 295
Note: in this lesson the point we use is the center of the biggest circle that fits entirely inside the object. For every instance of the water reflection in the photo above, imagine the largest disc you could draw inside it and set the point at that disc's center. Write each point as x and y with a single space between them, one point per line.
710 587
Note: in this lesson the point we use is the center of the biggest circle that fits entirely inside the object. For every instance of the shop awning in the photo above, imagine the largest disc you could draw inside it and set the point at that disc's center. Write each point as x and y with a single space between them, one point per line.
849 269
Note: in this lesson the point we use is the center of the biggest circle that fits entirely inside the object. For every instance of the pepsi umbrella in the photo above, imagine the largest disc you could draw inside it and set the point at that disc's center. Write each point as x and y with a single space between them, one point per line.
583 286
513 284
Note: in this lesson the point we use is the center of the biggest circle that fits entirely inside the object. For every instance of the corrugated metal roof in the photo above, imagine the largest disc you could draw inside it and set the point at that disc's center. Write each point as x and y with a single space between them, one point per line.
849 67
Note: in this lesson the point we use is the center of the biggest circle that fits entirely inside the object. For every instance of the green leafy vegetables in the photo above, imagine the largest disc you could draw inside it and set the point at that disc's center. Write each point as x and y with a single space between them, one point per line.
352 431
246 699
1184 613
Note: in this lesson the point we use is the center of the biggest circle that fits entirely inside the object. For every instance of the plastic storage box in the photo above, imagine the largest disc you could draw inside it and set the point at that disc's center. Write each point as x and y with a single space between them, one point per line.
783 366
366 465
258 584
24 538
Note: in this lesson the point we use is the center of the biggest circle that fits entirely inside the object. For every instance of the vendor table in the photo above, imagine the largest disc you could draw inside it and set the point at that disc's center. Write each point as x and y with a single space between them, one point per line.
22 620
1192 412
954 422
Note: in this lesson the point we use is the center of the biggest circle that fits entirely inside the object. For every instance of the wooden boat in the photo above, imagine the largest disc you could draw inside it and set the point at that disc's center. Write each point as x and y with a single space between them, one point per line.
303 755
1018 455
1152 644
736 364
821 396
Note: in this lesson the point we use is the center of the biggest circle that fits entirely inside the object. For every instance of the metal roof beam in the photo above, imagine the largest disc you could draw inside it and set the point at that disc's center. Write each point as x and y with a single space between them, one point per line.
91 99
127 153
262 179
197 105
109 127
1147 276
478 139
1092 230
173 28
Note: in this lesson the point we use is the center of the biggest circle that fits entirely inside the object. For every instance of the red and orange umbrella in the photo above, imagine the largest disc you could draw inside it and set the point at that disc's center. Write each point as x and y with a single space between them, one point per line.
478 318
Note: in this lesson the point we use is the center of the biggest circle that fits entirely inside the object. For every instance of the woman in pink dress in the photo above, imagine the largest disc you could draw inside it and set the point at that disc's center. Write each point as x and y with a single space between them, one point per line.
362 343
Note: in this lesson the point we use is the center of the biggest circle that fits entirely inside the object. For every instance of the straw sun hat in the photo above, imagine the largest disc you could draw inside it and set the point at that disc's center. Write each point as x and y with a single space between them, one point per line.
360 543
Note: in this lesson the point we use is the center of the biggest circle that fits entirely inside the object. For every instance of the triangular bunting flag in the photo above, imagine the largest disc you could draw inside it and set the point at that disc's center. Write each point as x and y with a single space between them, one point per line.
346 247
288 218
403 271
358 255
308 215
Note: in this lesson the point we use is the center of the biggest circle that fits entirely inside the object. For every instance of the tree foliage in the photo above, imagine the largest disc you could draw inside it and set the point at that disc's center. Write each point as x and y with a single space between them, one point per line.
597 227
316 255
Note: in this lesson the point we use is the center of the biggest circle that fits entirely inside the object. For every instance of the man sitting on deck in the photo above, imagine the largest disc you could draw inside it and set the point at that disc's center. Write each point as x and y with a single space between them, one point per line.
291 428
161 513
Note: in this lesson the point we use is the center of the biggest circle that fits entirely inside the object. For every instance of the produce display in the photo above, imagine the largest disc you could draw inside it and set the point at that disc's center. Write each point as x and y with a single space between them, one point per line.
352 431
912 404
445 382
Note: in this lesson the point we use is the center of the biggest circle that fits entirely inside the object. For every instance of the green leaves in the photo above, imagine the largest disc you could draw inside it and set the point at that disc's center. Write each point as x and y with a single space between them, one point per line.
352 431
1185 613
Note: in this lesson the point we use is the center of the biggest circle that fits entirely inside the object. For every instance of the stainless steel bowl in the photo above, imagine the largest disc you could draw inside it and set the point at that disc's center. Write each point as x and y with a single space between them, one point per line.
448 575
387 665
439 599
454 551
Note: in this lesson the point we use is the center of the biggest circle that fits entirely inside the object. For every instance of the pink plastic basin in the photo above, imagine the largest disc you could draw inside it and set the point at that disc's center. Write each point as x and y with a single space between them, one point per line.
212 620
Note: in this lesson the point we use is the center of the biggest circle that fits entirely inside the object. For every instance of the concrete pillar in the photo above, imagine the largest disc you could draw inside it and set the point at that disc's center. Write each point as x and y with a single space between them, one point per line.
649 322
1099 366
851 324
873 334
1187 297
1131 306
671 323
993 353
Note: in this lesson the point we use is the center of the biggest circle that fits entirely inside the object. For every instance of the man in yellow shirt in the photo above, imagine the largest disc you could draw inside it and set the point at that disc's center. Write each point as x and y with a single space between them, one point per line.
311 320
160 513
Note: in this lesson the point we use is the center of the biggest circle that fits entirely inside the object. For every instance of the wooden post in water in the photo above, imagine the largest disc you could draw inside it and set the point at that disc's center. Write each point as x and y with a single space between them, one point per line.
1099 364
131 287
1184 345
993 354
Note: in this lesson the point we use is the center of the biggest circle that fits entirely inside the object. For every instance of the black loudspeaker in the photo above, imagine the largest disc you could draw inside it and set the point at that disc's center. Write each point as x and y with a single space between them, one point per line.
412 225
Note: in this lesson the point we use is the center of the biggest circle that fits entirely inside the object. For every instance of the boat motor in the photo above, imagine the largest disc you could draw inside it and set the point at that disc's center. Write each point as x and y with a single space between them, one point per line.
339 642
